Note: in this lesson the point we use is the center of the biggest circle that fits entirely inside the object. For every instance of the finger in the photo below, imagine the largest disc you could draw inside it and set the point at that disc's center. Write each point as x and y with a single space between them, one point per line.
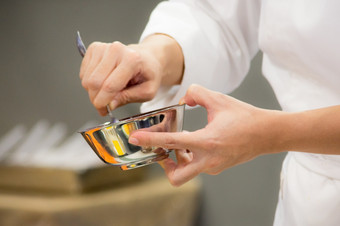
179 174
175 140
84 65
167 163
104 68
115 83
91 59
184 156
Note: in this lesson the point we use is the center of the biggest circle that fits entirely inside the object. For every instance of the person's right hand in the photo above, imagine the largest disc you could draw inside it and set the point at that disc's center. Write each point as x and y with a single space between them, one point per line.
117 74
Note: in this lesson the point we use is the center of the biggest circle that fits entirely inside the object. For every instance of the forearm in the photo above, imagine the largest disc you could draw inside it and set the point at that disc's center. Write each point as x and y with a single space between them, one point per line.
169 55
314 131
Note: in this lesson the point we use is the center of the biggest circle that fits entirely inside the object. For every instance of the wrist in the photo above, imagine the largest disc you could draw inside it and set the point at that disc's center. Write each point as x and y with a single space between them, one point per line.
168 54
293 132
277 131
314 131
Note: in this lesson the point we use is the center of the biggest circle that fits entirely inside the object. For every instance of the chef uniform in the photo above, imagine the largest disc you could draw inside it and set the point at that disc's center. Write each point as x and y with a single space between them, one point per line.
300 41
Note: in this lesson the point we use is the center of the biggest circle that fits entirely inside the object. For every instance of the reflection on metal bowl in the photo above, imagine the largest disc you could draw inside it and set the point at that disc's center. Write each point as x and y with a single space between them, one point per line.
110 140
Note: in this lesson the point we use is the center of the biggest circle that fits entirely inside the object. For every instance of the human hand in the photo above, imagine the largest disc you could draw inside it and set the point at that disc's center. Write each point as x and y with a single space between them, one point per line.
236 132
117 74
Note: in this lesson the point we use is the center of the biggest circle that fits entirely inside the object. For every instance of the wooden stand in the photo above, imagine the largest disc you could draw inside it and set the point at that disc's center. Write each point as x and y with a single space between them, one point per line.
46 180
152 202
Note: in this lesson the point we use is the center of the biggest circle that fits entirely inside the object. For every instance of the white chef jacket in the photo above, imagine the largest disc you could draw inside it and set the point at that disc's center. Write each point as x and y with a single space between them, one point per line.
300 41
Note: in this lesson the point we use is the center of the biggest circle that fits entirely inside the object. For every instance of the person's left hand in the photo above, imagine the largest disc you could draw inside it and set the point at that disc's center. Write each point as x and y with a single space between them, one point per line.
236 132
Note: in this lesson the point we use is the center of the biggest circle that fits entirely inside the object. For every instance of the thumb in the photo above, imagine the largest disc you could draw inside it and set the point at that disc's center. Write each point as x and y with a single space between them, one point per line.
198 95
139 92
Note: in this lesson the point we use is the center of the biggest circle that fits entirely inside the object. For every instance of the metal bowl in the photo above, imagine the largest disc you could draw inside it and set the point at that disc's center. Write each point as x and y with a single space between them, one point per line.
110 140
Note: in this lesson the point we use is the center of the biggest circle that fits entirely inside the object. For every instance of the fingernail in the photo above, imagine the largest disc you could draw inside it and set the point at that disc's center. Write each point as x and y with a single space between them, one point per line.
133 141
181 101
113 104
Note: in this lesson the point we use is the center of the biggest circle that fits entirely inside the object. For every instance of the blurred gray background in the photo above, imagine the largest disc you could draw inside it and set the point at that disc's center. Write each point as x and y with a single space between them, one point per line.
39 80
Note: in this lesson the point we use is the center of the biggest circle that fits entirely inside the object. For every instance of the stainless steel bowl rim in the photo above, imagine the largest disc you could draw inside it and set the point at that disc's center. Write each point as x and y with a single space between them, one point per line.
131 118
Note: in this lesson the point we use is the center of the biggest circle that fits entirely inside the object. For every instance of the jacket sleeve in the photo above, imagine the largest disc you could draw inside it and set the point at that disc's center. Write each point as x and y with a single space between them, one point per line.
218 39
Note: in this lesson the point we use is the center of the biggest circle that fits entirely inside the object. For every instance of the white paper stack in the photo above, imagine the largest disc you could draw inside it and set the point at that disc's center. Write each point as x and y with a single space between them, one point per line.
46 145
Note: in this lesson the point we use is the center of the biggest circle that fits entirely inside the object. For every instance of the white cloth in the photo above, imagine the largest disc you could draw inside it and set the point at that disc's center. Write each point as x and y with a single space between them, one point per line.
300 40
306 197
